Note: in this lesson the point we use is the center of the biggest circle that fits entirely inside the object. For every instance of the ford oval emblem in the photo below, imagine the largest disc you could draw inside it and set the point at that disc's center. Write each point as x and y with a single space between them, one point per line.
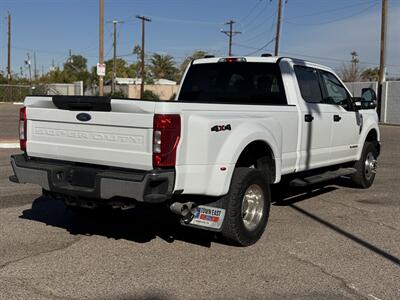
84 117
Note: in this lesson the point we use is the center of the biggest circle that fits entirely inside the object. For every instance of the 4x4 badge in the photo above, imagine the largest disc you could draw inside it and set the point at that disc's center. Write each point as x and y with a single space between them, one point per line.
218 128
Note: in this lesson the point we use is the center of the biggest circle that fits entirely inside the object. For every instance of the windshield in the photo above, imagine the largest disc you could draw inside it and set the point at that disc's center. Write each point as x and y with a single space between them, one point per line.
236 83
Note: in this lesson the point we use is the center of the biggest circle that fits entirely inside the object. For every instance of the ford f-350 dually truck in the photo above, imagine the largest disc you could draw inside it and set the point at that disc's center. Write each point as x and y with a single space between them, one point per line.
237 126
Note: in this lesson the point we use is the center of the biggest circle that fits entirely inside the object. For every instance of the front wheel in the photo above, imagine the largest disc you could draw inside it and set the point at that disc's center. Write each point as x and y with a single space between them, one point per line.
247 207
366 167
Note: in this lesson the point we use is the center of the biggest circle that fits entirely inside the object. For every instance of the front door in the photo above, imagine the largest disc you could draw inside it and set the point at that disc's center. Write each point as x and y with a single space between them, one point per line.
345 128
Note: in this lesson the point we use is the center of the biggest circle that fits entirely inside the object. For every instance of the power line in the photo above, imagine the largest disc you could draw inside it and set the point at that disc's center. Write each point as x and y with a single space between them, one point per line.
251 11
334 20
314 57
262 48
330 10
260 25
260 13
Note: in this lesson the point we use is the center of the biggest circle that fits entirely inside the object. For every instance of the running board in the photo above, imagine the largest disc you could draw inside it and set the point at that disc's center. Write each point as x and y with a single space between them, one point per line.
329 175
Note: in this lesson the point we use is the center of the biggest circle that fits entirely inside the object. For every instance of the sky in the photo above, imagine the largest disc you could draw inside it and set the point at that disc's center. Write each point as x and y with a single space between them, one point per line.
323 31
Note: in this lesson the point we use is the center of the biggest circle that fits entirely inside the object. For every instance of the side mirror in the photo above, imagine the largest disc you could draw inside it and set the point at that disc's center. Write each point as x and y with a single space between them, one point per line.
368 99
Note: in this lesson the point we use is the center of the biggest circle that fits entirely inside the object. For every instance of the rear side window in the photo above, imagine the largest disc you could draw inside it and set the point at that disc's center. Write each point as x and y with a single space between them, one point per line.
309 84
235 83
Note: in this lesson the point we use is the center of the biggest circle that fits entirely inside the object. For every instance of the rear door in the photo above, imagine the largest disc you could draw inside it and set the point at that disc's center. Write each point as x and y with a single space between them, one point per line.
119 137
316 122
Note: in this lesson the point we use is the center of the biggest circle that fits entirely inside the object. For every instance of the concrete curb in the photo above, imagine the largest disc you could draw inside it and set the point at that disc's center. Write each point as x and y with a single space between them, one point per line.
14 103
9 145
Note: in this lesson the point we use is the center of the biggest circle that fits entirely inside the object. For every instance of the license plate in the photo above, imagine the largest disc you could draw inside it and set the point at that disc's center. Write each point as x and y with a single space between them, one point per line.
207 216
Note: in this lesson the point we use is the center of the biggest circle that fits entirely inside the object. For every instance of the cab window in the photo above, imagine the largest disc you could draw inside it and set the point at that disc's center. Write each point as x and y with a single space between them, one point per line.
235 83
335 92
308 81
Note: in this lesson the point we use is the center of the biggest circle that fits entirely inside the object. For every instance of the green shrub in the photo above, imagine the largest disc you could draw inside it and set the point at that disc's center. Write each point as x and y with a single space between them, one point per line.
118 94
149 95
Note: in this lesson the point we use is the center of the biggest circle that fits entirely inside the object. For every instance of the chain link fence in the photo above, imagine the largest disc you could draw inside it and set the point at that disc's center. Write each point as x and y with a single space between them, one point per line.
17 93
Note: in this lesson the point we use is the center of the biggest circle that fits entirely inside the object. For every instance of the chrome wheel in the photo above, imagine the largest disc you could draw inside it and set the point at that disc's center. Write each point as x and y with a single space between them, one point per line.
252 207
370 166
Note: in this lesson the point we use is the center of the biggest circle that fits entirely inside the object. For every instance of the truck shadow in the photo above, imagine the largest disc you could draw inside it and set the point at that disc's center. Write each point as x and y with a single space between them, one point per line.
140 225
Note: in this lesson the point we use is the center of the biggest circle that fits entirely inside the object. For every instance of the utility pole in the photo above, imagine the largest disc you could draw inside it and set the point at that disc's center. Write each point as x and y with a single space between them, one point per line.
115 22
34 66
28 62
101 46
9 49
143 73
382 65
278 27
230 33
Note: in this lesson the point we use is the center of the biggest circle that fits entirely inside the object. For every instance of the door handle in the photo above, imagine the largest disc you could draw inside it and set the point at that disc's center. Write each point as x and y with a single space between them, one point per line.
337 118
308 118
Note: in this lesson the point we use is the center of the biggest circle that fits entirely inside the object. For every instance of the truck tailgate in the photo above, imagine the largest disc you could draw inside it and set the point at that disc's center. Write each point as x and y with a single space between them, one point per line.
121 137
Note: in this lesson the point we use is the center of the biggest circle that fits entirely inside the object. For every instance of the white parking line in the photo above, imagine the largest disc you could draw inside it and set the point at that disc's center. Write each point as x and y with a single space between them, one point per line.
9 145
374 297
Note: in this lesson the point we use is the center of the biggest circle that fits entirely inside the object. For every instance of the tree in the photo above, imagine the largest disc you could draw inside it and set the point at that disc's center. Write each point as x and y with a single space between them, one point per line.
75 63
57 76
370 74
121 67
75 69
195 55
163 66
351 72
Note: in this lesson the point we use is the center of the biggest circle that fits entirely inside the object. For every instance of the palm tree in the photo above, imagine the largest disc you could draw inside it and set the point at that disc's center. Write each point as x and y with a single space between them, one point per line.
163 66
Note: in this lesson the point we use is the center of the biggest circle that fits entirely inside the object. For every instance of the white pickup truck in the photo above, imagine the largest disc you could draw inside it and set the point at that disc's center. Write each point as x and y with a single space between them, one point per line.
237 125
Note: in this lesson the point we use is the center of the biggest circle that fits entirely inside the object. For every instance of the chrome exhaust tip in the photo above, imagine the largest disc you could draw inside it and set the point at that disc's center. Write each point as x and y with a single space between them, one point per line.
185 210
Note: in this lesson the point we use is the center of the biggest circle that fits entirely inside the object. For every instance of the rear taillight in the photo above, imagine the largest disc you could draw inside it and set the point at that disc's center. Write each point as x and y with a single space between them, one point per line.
22 128
166 136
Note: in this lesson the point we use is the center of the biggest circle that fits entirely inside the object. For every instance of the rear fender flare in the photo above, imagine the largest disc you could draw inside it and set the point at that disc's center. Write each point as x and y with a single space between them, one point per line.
239 140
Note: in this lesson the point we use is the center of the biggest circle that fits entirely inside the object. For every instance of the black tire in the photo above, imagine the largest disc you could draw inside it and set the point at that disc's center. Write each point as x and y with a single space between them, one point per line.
234 229
364 177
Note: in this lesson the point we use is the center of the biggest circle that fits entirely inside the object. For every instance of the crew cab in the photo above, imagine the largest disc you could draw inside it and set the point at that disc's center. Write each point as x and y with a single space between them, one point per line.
237 126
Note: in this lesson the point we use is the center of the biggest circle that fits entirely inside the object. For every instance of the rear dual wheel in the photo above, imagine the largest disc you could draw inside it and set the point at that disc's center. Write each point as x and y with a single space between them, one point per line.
247 207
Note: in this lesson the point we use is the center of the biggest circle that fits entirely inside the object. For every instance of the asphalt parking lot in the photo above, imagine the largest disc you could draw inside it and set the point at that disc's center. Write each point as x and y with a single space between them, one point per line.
331 242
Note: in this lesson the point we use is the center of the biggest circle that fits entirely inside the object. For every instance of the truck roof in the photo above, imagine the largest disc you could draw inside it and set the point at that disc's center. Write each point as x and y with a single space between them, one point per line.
260 59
